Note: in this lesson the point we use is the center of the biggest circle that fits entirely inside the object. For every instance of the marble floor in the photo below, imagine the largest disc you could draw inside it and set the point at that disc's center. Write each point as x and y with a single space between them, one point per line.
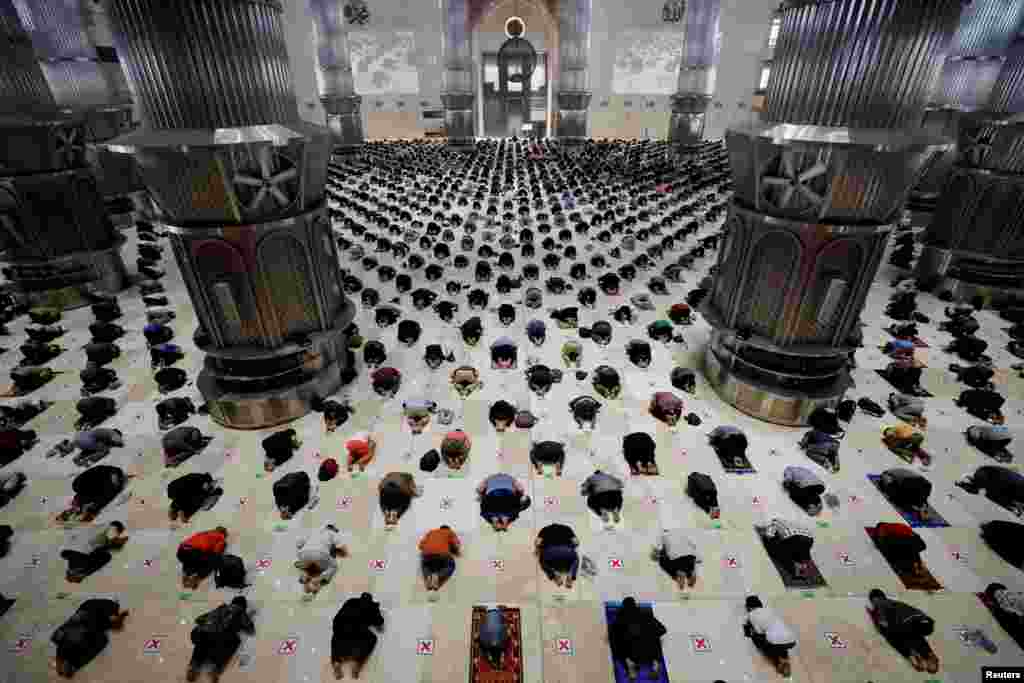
564 632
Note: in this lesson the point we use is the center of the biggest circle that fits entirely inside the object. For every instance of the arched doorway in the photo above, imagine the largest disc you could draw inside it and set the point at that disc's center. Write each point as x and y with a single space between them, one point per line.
509 35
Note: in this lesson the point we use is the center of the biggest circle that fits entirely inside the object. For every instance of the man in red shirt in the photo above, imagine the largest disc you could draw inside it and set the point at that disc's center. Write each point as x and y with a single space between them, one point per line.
439 548
200 554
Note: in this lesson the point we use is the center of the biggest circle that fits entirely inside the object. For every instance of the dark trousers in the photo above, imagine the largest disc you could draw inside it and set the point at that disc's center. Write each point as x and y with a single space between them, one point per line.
190 504
609 500
96 499
805 496
908 493
908 638
559 558
502 503
687 564
197 563
351 643
790 550
215 648
902 552
81 565
770 649
393 498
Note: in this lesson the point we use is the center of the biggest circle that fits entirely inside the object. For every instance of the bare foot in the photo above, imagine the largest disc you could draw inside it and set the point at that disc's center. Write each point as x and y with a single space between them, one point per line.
931 664
192 675
783 667
917 662
339 670
617 516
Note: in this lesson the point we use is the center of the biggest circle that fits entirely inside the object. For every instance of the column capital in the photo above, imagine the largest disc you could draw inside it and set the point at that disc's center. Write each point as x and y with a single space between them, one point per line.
574 100
342 104
689 102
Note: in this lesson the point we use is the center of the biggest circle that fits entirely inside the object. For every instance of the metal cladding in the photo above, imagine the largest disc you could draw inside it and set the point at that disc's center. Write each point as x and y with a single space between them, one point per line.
966 84
987 27
816 191
457 78
24 91
827 174
858 63
54 229
975 243
696 72
1008 91
240 181
574 94
186 75
942 122
334 75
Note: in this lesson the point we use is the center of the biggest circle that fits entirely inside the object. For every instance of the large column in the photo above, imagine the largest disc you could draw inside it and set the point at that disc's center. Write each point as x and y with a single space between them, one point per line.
239 179
816 194
58 242
574 94
977 51
696 72
334 76
74 47
457 78
974 245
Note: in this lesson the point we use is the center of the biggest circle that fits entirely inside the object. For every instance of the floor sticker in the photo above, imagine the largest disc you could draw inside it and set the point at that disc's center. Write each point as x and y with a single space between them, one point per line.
345 503
845 559
498 565
615 563
700 643
425 646
20 645
550 501
958 555
563 646
153 645
731 562
263 564
652 500
378 565
288 647
447 503
835 641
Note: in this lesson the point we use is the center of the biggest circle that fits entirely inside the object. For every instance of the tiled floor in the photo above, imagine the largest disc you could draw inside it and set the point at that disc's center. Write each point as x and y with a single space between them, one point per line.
564 634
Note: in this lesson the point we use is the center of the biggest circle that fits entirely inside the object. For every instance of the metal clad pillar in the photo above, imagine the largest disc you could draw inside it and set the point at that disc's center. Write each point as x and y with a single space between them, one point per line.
574 93
240 181
334 65
816 192
974 246
457 80
696 72
58 240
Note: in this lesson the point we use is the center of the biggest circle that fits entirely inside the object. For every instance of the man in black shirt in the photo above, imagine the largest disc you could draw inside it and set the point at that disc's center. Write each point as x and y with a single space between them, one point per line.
905 628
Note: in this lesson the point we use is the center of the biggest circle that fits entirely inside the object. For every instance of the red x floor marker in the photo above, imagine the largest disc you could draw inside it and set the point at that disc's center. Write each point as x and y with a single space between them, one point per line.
425 646
958 555
700 643
152 646
846 560
563 646
21 645
288 646
498 565
756 500
855 499
378 565
263 564
615 563
732 562
550 501
148 564
835 641
345 503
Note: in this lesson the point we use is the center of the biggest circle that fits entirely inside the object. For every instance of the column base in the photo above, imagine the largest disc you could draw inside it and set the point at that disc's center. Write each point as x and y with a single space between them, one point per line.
768 401
938 270
70 281
246 404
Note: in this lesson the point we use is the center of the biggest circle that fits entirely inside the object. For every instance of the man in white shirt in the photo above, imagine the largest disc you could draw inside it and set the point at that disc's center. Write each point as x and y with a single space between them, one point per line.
770 634
316 558
677 555
790 545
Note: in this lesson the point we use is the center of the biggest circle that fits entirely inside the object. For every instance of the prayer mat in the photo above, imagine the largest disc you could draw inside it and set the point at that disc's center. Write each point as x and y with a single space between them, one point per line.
934 521
914 582
481 669
791 580
921 393
611 611
736 465
1004 621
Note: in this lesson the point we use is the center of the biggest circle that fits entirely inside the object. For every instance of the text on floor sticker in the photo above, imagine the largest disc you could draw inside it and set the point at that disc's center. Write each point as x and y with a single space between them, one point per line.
700 643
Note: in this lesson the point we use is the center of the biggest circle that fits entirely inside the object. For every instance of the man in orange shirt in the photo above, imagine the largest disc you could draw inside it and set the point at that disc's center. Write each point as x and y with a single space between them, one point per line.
200 554
439 549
